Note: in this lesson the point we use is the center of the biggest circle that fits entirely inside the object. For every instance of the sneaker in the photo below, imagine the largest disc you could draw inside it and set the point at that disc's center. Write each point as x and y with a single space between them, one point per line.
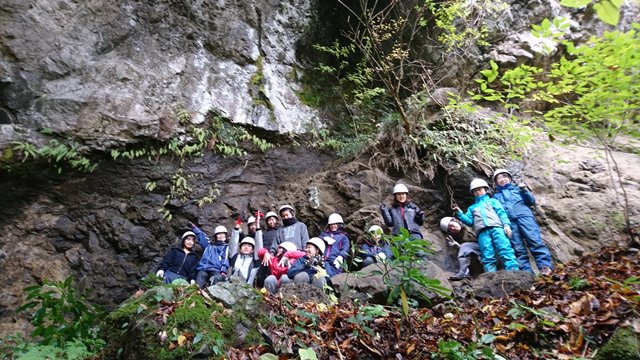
546 271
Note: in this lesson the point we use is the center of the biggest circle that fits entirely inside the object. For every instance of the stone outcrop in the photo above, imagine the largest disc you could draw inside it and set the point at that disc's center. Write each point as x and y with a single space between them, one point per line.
110 73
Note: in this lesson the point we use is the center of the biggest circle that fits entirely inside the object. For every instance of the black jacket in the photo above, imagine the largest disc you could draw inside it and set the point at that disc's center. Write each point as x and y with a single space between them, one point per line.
180 263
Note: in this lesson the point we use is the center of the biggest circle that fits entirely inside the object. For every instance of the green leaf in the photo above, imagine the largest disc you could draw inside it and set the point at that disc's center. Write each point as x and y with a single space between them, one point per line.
487 338
307 354
607 12
575 3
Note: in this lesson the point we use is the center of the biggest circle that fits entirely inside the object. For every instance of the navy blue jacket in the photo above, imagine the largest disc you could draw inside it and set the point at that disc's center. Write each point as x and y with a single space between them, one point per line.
180 263
515 201
413 218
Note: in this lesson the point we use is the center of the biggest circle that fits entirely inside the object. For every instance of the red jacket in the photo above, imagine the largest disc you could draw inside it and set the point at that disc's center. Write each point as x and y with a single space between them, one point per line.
276 269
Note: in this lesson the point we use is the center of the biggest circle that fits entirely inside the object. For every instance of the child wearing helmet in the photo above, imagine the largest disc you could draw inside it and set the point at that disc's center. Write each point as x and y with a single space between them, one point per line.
214 263
308 269
337 241
374 249
459 238
180 262
403 213
243 256
279 265
517 201
491 225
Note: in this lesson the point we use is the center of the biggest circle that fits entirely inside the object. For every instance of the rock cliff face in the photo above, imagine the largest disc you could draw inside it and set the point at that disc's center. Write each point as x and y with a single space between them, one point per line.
113 72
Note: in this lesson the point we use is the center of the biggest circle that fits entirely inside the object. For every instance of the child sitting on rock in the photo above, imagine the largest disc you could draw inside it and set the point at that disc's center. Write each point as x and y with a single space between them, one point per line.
214 263
243 257
309 268
337 245
459 238
491 225
374 250
279 264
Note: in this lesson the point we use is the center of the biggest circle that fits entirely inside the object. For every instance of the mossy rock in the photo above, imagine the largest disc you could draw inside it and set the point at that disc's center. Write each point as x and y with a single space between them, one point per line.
179 322
623 345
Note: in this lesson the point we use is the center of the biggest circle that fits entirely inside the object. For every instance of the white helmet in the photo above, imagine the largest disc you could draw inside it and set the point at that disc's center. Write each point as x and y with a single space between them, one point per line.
220 229
376 230
501 171
400 188
248 240
285 207
288 246
270 214
251 220
335 219
444 223
319 243
478 183
188 233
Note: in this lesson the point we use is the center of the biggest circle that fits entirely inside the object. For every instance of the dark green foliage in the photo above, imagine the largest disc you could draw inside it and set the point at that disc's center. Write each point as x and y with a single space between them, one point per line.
61 313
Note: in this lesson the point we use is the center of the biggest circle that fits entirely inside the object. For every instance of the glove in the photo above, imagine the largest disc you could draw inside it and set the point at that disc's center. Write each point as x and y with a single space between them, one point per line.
329 240
507 231
160 273
451 242
381 257
382 206
338 262
522 186
284 262
259 215
238 221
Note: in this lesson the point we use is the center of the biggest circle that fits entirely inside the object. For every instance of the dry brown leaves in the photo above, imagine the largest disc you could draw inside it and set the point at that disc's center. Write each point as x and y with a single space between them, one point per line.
551 321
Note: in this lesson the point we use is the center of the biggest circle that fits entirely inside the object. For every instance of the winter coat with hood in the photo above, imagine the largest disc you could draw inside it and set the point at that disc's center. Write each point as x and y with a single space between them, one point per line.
340 247
177 261
515 201
485 212
215 256
406 215
370 249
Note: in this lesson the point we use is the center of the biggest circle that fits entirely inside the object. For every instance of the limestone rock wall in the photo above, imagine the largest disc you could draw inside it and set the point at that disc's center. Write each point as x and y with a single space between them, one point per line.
113 72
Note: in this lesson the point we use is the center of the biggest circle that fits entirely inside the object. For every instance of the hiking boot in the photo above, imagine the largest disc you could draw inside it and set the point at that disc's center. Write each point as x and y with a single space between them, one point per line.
459 276
545 271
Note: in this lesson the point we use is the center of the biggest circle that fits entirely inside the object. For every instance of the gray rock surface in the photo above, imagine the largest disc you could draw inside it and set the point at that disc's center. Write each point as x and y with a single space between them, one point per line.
113 72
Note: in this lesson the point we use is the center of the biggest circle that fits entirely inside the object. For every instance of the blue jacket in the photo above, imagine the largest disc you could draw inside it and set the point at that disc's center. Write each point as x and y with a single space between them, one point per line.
483 213
180 263
413 218
303 264
368 249
339 248
516 202
215 256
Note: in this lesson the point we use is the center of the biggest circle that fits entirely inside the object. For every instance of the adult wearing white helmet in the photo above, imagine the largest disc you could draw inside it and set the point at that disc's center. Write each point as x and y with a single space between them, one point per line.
214 264
464 242
279 265
308 269
517 201
180 262
374 249
491 225
291 230
243 256
403 213
337 244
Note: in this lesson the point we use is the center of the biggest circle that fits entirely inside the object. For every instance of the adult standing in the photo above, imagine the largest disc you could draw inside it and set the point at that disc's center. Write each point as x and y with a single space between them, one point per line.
403 213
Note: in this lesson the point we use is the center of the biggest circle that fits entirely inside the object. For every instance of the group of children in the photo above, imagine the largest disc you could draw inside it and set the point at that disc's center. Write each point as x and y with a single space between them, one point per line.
502 224
284 253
